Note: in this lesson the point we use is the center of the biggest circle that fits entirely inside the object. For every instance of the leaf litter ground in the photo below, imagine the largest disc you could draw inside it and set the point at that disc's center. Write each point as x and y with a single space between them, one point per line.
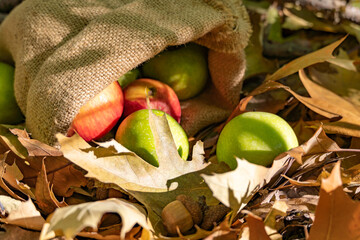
104 191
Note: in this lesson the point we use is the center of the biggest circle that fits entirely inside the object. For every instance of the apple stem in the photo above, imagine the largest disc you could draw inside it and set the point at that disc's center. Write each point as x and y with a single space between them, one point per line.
147 97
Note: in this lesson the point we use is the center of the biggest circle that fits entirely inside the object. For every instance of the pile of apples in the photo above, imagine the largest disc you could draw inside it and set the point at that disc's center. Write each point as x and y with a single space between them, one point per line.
176 74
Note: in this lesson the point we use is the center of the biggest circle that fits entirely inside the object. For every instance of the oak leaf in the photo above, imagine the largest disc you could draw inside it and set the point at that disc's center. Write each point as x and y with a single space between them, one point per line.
70 220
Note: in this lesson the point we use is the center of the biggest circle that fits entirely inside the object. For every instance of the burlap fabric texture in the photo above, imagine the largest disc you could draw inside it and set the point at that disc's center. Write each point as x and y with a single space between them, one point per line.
67 51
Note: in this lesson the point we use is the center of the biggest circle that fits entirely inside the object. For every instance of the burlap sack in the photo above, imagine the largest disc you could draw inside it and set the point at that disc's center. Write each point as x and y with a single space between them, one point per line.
67 51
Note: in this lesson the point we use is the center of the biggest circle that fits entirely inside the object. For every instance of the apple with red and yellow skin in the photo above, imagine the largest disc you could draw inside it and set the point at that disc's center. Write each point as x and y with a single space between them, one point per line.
257 137
160 96
99 115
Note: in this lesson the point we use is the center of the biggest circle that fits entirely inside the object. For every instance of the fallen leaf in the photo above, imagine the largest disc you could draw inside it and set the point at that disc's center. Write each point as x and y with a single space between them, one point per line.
320 55
303 130
10 232
23 214
336 216
329 104
278 210
351 159
226 188
29 154
340 81
11 179
113 163
155 187
223 231
256 227
70 220
45 198
8 141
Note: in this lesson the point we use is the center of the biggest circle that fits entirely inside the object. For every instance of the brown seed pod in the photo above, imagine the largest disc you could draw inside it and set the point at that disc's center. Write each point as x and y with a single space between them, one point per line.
212 215
193 207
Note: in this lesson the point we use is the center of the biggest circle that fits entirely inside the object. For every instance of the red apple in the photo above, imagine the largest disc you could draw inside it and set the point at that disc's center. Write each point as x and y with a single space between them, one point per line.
161 97
98 116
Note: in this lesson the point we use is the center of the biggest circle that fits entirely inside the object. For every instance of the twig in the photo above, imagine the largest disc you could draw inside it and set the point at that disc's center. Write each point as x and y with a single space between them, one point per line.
335 10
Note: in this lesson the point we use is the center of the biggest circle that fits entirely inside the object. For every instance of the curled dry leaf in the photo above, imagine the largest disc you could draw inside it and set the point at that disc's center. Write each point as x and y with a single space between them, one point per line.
12 176
29 154
23 214
336 216
45 198
329 104
338 79
70 220
320 55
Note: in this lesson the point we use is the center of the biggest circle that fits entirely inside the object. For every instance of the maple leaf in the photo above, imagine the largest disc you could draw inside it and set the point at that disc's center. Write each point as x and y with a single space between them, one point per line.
110 162
235 188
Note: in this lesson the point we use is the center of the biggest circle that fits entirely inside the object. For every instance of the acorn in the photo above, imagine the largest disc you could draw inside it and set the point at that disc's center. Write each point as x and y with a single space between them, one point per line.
176 218
181 215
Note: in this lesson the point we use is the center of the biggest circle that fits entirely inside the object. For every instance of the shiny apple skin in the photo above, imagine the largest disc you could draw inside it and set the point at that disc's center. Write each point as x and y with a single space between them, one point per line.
98 116
161 97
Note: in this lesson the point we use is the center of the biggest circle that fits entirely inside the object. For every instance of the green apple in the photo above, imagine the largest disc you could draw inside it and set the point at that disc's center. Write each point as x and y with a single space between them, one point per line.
9 110
135 134
183 68
129 77
257 137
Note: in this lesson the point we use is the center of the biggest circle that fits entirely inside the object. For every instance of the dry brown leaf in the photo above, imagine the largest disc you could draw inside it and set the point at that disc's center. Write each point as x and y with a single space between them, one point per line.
223 232
256 227
278 210
320 55
10 232
329 104
35 147
45 198
8 141
339 80
351 159
8 177
303 130
29 154
319 144
23 214
336 216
